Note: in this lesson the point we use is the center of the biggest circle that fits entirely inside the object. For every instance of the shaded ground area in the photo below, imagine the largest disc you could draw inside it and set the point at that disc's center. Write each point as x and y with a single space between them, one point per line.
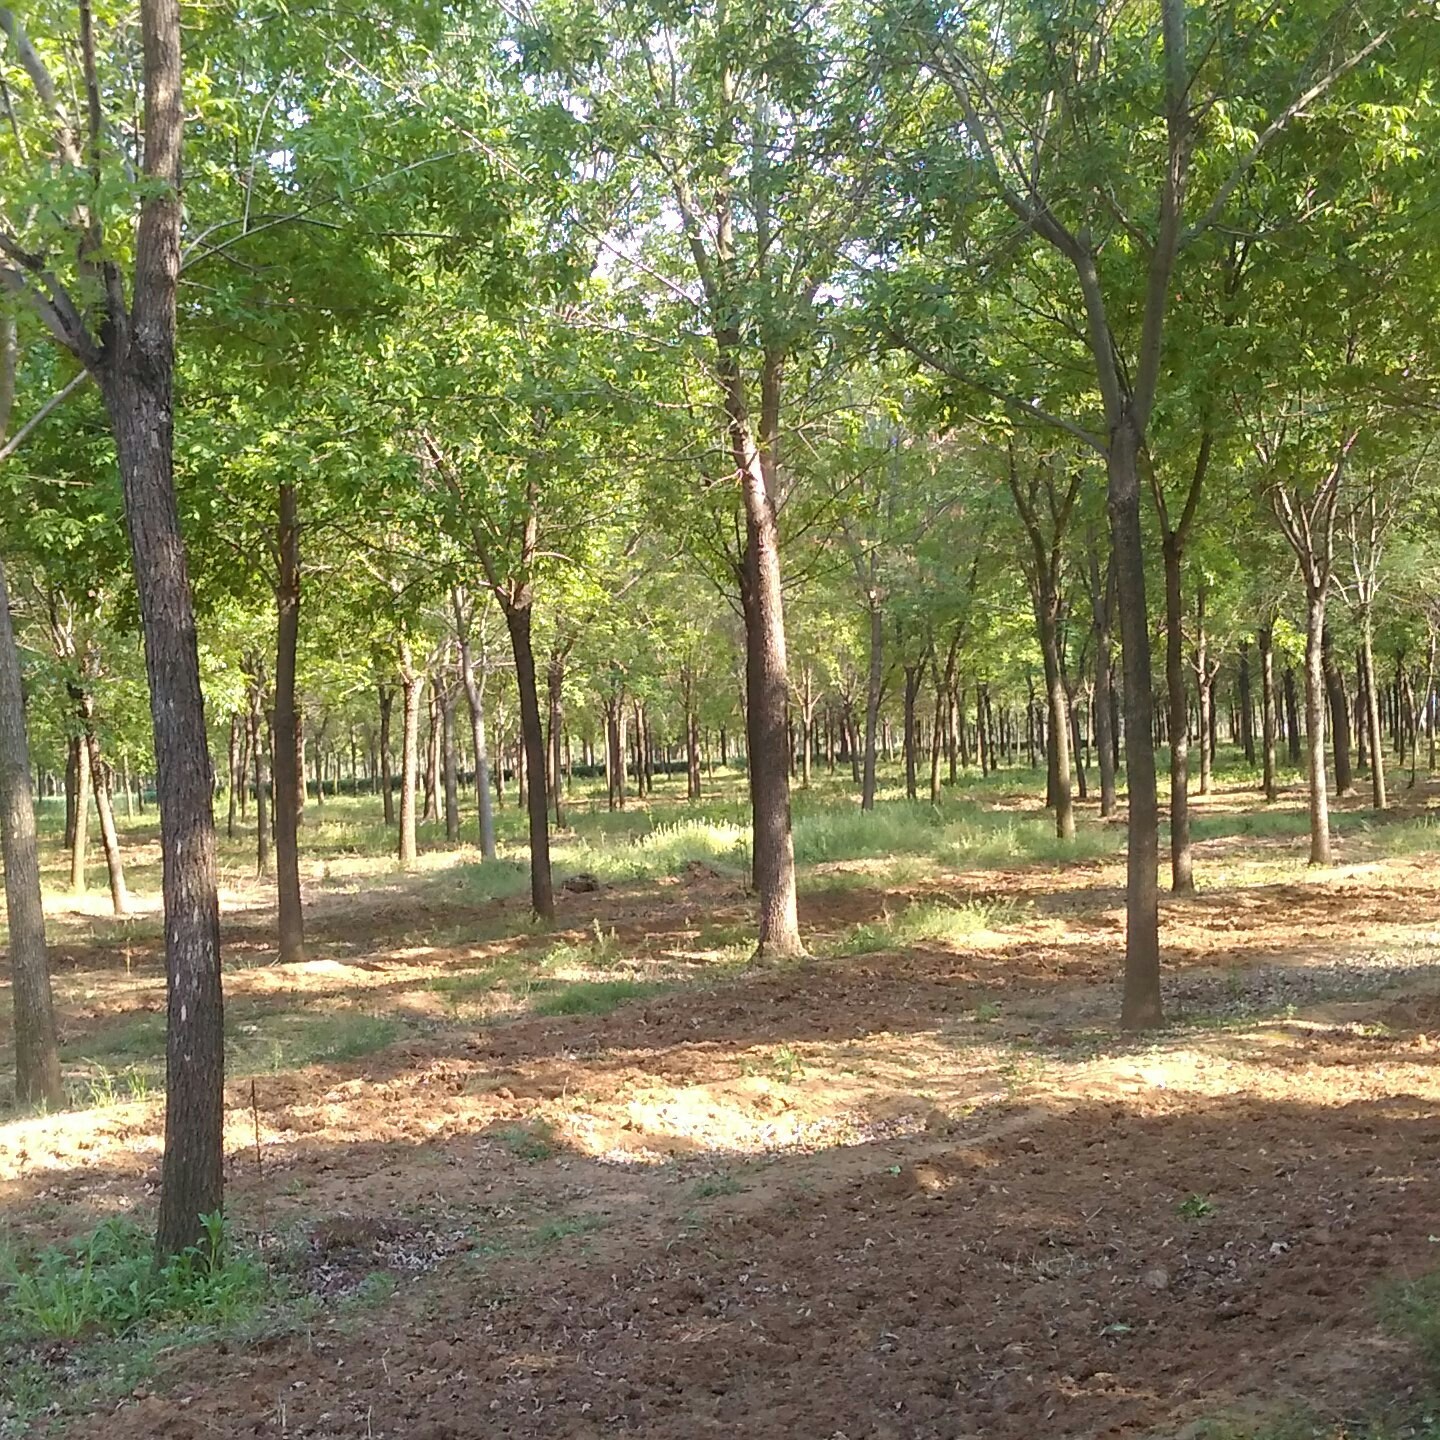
620 1181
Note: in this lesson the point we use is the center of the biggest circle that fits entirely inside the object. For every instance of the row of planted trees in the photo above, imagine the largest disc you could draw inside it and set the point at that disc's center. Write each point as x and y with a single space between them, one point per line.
843 369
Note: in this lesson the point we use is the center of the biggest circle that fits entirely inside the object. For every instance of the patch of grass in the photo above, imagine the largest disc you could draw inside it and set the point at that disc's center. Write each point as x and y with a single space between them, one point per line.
715 1185
1195 1207
292 1039
591 997
928 920
141 1037
531 1142
986 840
115 1087
107 1283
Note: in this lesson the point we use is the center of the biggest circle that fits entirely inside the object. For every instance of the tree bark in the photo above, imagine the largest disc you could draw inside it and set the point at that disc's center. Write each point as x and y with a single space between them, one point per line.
1104 681
1372 713
1292 715
80 834
100 786
1057 738
449 766
1315 726
262 780
1265 643
411 683
1339 704
387 779
1141 1006
237 777
912 737
518 622
874 687
37 1050
289 779
1247 705
555 693
475 699
1182 870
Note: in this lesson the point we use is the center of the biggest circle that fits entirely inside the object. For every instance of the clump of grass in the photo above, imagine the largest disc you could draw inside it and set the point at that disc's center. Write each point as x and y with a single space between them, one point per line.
531 1142
107 1283
900 828
928 920
295 1038
105 1086
591 997
984 840
663 850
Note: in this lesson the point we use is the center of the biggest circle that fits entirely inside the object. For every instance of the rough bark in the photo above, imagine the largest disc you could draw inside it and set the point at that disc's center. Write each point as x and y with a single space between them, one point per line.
289 781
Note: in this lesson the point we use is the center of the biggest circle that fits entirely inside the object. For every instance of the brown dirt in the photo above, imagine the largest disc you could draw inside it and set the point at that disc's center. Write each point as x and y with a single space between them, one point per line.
924 1195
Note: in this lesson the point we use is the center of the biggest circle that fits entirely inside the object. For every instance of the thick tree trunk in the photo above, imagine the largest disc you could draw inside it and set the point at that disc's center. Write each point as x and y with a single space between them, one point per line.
289 778
387 779
411 683
1141 1007
1372 713
1182 871
37 1051
873 688
80 834
1315 727
542 893
1339 704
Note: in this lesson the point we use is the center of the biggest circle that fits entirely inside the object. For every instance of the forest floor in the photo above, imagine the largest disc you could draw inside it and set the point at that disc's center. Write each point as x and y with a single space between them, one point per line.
611 1178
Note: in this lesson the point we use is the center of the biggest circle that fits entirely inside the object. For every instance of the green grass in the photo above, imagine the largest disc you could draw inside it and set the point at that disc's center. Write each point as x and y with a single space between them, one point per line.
591 997
933 921
291 1039
532 1142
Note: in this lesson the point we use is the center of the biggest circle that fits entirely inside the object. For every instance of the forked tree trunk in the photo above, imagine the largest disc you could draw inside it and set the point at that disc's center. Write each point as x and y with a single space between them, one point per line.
411 682
1141 1006
542 893
289 781
37 1051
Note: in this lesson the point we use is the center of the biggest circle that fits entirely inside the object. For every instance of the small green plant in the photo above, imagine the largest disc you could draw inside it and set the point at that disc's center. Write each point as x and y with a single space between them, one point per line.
591 997
531 1142
715 1185
1196 1207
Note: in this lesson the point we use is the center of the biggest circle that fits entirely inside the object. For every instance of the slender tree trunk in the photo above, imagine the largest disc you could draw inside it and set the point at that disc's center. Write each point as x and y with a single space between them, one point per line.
1182 869
873 688
432 756
237 777
289 776
1315 727
1292 715
109 836
1205 692
79 841
1104 738
37 1050
542 894
411 683
449 765
1339 704
1141 1007
1372 712
912 738
1265 643
555 688
1057 740
387 779
262 781
72 787
475 699
1247 705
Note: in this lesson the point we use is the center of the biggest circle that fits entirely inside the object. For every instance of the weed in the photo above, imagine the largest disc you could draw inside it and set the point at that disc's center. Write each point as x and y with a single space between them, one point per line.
715 1185
531 1142
1195 1207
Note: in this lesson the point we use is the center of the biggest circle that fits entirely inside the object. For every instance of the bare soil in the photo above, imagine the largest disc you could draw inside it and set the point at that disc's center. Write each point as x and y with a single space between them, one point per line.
914 1195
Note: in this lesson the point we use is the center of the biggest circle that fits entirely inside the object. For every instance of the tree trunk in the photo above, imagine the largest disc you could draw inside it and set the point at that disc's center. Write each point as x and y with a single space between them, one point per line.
100 785
237 777
1104 737
1269 728
37 1051
1247 705
411 683
555 688
1141 1007
475 699
387 779
262 781
289 776
1339 704
449 765
1372 712
79 839
873 687
1315 726
432 756
1182 873
1292 715
542 894
1057 740
912 738
72 786
1205 692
